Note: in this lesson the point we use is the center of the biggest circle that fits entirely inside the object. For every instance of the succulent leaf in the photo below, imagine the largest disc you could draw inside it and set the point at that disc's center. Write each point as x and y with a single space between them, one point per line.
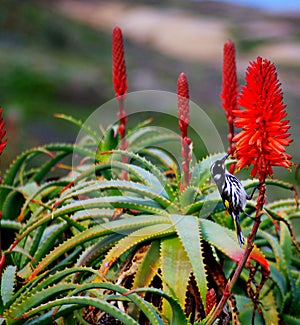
8 282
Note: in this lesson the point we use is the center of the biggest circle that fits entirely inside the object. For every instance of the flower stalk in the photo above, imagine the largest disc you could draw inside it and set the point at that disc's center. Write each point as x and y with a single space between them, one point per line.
3 140
184 120
120 86
229 89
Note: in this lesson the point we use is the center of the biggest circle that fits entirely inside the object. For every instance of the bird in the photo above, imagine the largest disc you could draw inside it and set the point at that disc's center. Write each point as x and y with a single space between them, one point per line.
232 192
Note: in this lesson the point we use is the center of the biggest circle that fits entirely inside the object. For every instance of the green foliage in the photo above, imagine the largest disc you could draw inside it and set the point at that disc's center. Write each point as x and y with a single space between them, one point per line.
90 243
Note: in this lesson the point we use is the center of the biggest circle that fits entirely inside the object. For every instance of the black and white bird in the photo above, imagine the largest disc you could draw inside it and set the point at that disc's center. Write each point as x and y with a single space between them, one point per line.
232 192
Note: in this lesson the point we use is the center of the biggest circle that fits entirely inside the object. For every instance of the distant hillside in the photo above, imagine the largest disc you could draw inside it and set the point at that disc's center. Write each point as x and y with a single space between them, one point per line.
55 57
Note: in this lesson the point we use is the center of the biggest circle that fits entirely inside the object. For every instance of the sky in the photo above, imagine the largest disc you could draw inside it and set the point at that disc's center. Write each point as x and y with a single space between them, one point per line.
271 5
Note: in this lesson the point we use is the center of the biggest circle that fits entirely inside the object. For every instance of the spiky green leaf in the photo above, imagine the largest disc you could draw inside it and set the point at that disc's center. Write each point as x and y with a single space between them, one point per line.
190 234
8 283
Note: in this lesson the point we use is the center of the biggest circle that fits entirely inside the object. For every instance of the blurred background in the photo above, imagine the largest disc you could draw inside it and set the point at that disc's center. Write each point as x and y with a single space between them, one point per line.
55 57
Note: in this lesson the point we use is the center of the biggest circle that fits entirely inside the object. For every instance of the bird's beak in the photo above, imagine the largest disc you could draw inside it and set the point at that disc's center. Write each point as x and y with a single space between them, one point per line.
224 158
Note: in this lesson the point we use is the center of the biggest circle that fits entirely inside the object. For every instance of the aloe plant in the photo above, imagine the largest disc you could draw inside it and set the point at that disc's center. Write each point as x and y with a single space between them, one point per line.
124 233
164 234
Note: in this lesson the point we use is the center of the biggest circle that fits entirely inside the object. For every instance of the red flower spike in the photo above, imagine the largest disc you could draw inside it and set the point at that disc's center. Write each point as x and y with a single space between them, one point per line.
263 138
120 85
3 141
119 67
184 120
211 300
229 88
183 104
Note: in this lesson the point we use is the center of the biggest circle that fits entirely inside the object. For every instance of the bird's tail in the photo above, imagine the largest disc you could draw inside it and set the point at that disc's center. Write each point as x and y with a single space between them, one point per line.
240 236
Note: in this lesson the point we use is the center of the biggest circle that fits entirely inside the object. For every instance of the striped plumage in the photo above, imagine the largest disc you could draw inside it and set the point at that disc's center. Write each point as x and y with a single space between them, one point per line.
232 192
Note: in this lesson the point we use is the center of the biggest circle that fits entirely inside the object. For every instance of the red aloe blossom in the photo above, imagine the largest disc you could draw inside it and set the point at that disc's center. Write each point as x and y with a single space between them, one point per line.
120 85
2 133
262 143
119 67
184 120
264 134
229 89
119 80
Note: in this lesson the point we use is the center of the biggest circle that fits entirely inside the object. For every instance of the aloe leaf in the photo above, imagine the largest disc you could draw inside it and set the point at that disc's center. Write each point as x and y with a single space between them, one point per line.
96 250
273 242
79 302
122 186
50 236
46 168
63 314
10 224
127 295
7 283
205 207
278 278
70 148
139 126
285 216
291 320
20 200
176 269
126 202
87 205
141 235
245 308
285 262
287 204
296 306
148 166
160 158
42 192
41 282
188 196
146 177
282 184
95 232
149 265
23 251
270 314
190 234
42 217
222 238
149 179
31 301
178 316
146 271
10 178
32 244
149 137
15 167
108 142
80 124
25 297
12 203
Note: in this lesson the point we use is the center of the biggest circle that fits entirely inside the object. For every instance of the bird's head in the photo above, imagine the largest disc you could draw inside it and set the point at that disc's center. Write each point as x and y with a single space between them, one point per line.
217 169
